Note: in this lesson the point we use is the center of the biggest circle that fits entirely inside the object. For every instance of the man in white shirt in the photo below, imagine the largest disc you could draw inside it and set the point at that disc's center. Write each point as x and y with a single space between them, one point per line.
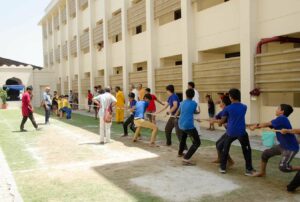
135 91
104 101
191 85
47 104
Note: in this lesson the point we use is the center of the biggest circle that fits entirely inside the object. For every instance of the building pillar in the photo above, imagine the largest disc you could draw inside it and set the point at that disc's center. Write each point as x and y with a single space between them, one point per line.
107 44
248 38
81 98
92 49
188 56
62 85
126 44
152 62
69 38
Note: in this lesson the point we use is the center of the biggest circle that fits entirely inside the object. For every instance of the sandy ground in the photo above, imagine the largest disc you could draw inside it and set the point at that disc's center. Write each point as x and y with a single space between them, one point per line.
72 155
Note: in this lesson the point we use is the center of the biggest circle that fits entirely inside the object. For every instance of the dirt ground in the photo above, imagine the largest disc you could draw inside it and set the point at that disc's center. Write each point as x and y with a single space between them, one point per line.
70 165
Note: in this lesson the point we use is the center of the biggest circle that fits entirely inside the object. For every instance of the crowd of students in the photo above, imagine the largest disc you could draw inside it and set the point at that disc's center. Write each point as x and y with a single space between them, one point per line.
184 118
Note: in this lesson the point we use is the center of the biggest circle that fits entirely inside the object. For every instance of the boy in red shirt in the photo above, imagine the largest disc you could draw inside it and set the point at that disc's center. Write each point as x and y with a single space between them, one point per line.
152 107
90 99
27 110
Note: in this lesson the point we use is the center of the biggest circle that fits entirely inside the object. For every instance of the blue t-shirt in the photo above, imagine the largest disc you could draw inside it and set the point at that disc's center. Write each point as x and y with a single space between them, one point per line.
174 98
140 109
187 110
287 141
236 124
219 115
131 105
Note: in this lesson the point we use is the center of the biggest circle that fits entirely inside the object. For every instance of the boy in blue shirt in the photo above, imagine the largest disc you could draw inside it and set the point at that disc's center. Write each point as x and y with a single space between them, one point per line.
187 110
288 145
234 116
173 104
129 121
140 122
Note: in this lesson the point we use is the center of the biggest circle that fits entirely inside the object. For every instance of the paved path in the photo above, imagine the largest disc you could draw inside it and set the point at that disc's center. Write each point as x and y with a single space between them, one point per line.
205 134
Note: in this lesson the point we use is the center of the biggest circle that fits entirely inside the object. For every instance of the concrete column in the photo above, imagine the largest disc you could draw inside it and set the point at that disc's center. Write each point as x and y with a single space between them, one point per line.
92 48
188 56
152 61
81 99
248 38
69 38
126 47
107 43
62 86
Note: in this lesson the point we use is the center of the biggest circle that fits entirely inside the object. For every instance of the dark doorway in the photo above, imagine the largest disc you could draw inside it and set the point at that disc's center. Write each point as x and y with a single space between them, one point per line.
13 93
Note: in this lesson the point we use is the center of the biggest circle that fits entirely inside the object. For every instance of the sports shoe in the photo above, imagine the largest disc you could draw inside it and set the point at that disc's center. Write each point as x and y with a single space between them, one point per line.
250 172
23 130
222 171
101 143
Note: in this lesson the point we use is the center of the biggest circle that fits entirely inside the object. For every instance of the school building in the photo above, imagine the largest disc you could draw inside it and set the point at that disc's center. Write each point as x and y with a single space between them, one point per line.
218 44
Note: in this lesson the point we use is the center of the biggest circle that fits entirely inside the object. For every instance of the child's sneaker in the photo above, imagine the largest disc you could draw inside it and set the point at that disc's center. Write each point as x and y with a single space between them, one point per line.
222 171
250 172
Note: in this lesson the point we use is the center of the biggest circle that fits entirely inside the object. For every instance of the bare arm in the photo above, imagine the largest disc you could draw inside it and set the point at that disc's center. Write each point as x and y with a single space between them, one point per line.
160 102
259 125
294 131
163 109
177 113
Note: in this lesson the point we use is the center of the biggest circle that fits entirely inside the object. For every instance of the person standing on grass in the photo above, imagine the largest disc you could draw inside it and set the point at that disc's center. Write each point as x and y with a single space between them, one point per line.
211 111
225 101
47 104
152 107
141 92
96 93
105 103
130 119
90 100
187 110
27 109
120 105
54 103
173 105
140 122
135 91
288 145
234 116
196 98
71 98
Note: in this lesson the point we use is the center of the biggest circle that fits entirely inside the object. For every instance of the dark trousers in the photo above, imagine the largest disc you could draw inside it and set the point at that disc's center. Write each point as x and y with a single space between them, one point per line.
47 114
25 119
295 183
193 134
171 124
220 144
129 122
245 143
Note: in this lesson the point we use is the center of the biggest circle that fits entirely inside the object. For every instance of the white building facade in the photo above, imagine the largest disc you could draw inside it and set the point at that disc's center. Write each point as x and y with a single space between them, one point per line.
214 43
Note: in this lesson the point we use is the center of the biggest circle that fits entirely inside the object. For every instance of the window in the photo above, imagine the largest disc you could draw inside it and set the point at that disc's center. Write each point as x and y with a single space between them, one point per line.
177 14
138 29
139 69
232 55
117 38
118 72
177 63
226 0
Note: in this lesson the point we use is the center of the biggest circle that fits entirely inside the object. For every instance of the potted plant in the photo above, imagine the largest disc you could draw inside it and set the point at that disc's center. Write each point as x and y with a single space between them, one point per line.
3 97
255 93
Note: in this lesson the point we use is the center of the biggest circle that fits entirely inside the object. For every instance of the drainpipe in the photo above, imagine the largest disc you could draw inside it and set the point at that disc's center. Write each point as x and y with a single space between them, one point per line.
281 39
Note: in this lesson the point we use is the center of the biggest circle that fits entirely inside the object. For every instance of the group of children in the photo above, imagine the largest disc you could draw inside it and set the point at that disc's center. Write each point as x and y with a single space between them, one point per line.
61 105
232 117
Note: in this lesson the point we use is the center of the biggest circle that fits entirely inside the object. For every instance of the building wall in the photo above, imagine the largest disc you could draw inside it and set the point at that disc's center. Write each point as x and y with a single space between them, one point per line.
207 31
39 79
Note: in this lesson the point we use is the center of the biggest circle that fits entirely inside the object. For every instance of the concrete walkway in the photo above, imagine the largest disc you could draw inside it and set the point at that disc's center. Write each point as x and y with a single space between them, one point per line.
205 134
